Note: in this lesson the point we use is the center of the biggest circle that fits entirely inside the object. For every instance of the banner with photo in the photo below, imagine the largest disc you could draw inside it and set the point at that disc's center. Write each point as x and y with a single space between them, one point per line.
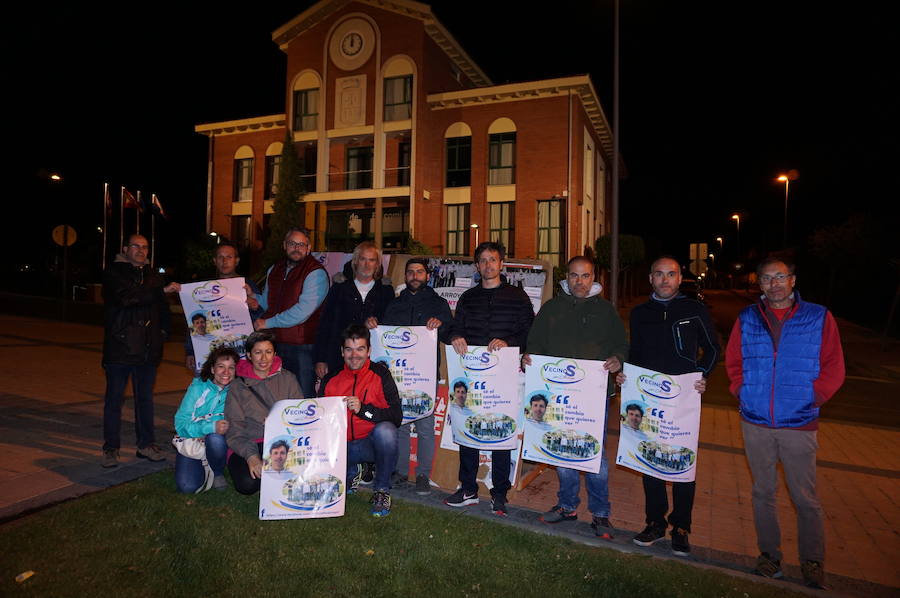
660 424
411 354
451 277
565 408
304 459
217 315
485 397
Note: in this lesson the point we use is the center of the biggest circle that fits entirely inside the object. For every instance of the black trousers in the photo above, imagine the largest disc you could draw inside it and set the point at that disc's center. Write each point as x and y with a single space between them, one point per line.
656 503
468 470
240 473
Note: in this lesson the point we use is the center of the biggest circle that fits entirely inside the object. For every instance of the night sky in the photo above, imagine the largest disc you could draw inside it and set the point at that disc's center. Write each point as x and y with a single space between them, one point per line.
717 100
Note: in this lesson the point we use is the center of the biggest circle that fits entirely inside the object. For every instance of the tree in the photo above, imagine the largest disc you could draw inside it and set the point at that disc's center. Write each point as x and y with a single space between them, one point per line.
631 253
286 211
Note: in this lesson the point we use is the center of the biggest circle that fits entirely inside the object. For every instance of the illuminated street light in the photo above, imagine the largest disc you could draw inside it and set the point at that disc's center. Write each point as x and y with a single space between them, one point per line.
720 240
475 226
787 183
737 219
55 177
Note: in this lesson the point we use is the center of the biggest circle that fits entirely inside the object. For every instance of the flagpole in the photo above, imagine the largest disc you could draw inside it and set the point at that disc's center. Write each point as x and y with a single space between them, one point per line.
121 219
105 215
152 233
137 213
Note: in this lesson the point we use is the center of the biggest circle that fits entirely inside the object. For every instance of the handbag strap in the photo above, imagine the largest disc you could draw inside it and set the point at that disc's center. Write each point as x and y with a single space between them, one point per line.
255 394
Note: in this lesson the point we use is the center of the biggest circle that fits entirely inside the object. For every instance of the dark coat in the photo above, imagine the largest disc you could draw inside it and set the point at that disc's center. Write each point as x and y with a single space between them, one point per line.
344 306
415 309
503 312
137 320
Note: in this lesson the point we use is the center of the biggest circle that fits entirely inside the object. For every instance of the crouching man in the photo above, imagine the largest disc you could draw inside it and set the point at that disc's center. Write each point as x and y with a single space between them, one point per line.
373 414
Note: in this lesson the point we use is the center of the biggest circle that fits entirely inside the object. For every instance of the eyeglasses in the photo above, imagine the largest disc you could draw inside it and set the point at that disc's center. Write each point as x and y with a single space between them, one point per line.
291 244
780 277
136 246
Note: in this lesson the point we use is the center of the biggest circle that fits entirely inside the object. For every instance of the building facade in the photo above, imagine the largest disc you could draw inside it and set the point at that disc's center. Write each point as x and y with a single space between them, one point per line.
401 135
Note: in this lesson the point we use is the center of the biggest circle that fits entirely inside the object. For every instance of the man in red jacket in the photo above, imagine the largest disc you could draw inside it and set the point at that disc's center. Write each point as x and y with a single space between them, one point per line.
373 414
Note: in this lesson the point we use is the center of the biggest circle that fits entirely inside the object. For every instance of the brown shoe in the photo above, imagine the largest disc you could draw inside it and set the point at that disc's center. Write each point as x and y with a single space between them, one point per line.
151 452
110 458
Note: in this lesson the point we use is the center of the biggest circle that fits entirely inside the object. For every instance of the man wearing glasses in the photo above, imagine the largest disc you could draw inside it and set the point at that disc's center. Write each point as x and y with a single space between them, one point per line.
784 360
295 289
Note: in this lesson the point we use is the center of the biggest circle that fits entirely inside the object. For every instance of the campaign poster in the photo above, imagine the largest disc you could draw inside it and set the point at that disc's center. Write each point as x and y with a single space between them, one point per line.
451 277
217 315
660 424
410 352
304 460
565 409
485 397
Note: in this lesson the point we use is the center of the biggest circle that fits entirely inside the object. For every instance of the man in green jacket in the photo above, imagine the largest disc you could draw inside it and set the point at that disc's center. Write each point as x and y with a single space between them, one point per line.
580 324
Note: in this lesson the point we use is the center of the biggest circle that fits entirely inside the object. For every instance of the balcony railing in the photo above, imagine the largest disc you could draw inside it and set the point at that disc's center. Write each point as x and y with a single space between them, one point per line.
350 180
396 177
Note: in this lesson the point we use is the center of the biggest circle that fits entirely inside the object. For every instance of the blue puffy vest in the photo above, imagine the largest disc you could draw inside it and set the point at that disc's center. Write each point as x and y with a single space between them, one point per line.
777 390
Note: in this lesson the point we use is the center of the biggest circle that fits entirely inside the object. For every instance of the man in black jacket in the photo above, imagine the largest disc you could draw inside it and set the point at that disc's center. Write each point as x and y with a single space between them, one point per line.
137 323
419 305
674 335
497 315
351 302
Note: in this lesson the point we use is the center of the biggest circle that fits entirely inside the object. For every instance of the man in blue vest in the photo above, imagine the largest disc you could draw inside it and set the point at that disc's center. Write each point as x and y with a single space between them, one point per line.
784 359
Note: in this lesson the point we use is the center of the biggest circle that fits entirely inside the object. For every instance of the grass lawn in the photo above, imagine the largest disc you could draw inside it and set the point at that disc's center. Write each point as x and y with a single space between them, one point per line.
143 539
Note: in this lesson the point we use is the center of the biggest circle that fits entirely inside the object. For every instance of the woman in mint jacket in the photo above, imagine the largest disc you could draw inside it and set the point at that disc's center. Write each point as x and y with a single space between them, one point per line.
202 415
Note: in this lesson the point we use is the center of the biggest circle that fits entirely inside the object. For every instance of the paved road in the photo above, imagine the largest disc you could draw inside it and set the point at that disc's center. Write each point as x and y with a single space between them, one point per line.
873 374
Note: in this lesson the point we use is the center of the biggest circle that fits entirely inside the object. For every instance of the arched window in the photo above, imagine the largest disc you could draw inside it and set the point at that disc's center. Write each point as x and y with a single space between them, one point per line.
458 141
502 152
243 174
398 88
273 168
306 101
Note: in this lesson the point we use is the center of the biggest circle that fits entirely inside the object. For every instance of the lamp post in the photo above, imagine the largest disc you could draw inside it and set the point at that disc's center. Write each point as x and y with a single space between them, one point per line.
737 219
475 228
720 240
787 183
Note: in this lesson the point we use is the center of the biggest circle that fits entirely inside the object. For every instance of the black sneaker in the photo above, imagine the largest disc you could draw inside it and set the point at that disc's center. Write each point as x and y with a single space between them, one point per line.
368 474
680 544
651 534
813 574
602 527
423 486
498 506
110 458
461 498
557 514
398 479
768 567
381 504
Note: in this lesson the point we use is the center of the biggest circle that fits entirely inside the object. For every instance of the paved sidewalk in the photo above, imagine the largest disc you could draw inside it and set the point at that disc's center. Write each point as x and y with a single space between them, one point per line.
51 429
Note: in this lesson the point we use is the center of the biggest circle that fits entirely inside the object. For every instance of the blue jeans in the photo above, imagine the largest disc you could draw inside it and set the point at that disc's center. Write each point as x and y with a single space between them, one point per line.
190 474
425 444
142 379
298 359
379 447
597 489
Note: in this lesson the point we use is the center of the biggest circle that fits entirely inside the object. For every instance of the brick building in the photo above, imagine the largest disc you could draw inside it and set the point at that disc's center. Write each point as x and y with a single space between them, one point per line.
401 135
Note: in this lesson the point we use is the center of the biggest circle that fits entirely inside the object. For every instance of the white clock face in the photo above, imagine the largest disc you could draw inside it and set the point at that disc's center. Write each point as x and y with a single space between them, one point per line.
352 44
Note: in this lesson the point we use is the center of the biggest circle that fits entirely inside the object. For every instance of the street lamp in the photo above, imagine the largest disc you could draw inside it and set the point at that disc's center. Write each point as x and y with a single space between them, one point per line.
475 227
737 219
787 183
720 240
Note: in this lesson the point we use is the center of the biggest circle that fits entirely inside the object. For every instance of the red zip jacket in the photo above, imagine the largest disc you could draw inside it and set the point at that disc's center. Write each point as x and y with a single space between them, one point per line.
377 393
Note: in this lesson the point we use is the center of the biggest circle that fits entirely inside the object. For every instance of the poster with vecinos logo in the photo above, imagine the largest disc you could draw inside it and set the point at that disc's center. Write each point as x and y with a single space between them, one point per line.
565 409
485 398
217 315
660 427
410 352
304 460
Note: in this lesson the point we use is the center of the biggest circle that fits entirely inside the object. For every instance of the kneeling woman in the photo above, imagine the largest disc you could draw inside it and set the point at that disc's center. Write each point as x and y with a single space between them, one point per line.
202 415
260 383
